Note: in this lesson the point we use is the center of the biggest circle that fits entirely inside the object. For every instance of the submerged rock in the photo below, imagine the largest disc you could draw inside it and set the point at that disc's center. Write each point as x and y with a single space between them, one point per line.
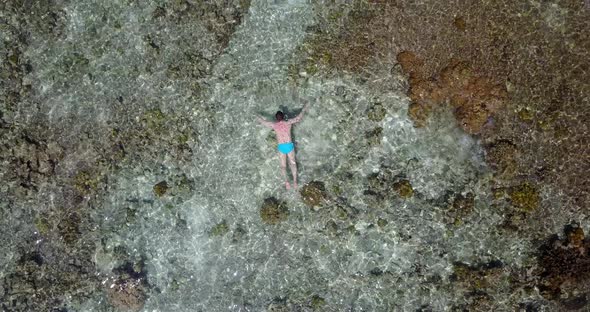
525 197
374 136
85 182
387 184
47 281
219 229
501 155
278 305
382 222
314 193
461 207
478 278
403 188
419 113
376 112
460 23
128 291
410 63
127 295
273 211
473 97
317 302
161 188
69 228
564 264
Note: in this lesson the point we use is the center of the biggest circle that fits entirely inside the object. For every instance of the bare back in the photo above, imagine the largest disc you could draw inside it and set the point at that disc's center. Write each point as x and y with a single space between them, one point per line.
283 131
282 128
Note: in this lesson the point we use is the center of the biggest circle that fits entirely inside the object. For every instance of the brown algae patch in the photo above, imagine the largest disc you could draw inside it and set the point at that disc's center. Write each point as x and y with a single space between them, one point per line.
404 189
473 97
485 61
502 155
160 188
525 197
564 264
273 211
314 193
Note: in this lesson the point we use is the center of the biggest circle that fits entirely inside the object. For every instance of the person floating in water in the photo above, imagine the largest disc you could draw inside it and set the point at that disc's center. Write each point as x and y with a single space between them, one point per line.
286 147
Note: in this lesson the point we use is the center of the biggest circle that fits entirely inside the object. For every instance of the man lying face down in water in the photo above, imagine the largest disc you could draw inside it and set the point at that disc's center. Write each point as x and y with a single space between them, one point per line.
286 147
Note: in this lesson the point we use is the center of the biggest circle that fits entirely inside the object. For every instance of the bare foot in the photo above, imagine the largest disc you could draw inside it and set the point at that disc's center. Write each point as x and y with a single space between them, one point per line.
295 185
288 186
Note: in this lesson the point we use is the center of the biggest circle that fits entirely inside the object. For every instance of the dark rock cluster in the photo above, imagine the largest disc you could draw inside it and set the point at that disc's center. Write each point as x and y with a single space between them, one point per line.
273 211
564 264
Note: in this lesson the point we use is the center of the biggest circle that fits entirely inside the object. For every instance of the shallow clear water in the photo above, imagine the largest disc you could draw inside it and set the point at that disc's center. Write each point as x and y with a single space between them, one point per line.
234 166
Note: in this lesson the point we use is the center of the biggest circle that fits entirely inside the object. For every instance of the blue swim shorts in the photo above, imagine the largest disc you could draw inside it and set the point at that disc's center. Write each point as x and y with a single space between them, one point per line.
286 148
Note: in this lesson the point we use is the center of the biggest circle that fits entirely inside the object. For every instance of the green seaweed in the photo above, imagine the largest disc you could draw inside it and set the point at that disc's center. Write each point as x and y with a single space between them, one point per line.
219 229
42 224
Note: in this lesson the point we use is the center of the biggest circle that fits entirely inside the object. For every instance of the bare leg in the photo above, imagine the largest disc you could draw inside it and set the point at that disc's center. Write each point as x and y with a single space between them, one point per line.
283 159
293 166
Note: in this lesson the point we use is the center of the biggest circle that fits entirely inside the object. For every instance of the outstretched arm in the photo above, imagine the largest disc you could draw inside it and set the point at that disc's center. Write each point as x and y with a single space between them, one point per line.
264 122
300 116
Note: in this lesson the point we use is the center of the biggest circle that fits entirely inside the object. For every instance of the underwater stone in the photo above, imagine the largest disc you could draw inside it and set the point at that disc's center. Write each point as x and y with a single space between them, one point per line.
501 155
238 234
278 305
525 197
478 278
85 183
474 98
464 203
313 193
220 229
419 114
563 262
374 136
69 228
403 188
273 211
120 253
575 303
159 12
575 236
332 228
317 302
376 112
127 295
460 23
154 119
42 224
410 63
161 188
381 222
43 282
128 290
462 206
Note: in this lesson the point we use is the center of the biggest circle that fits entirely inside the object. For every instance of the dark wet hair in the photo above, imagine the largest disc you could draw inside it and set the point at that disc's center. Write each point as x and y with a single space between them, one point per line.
279 116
